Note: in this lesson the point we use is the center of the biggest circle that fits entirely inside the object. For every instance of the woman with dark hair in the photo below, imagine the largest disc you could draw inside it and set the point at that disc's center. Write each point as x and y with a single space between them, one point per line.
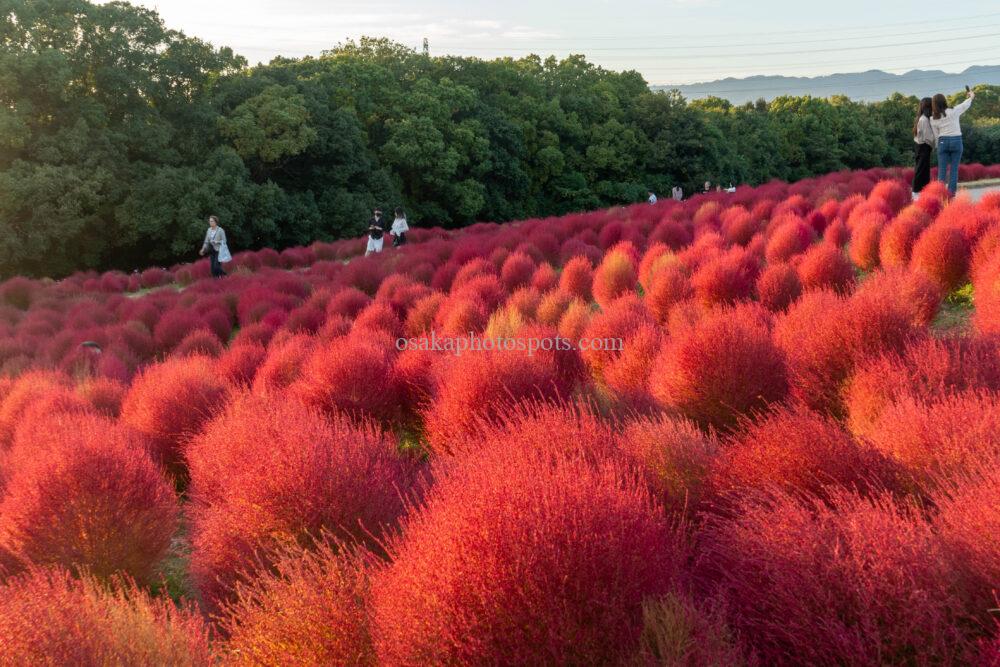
399 228
215 245
948 131
923 136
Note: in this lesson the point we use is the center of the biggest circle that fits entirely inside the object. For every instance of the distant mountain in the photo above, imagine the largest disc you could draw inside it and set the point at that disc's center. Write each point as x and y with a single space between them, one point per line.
870 86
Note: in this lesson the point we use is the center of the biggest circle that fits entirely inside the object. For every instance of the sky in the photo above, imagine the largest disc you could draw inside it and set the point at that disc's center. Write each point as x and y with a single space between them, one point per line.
669 42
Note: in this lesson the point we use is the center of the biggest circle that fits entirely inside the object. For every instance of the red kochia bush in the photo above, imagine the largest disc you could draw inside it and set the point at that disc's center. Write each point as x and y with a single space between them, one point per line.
913 290
898 238
778 286
271 473
722 367
825 266
674 456
667 287
939 438
482 385
517 271
48 617
310 611
865 238
942 252
871 569
968 521
240 362
615 277
929 368
85 495
726 279
796 449
26 390
169 402
352 375
790 237
523 556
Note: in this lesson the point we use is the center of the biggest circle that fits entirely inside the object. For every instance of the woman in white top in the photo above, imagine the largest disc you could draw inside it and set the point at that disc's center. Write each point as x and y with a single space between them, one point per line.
399 229
948 131
215 245
923 137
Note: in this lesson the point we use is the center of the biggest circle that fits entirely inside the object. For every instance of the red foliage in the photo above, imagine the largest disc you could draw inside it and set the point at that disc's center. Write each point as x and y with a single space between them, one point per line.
23 392
674 456
790 237
48 617
348 302
311 610
239 364
615 277
271 473
825 266
720 368
667 287
544 278
942 252
567 549
798 450
778 286
726 279
872 569
896 243
912 290
893 192
103 394
930 368
169 402
84 494
938 438
352 375
866 234
517 271
200 342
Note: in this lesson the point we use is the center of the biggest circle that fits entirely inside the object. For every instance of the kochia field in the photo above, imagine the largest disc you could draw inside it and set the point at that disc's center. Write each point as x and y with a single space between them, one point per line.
792 455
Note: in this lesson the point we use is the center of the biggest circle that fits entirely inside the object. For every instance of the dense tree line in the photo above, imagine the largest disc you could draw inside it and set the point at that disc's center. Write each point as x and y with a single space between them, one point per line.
119 136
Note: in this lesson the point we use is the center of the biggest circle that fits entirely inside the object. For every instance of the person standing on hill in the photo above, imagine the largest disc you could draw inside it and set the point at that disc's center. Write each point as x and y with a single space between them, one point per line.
652 197
678 193
948 131
399 228
923 137
216 247
376 230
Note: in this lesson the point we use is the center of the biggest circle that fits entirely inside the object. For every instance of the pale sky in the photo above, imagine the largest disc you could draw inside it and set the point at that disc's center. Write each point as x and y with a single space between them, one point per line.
671 41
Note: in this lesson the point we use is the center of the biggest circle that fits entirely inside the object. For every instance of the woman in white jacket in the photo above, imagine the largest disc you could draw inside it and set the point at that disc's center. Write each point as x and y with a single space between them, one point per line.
948 131
399 229
215 245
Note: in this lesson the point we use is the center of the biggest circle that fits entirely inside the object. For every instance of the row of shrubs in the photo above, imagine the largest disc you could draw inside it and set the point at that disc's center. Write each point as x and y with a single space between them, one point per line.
788 462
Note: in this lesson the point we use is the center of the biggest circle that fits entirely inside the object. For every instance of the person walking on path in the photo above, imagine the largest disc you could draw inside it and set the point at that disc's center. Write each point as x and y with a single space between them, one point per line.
216 247
923 137
399 228
948 131
376 230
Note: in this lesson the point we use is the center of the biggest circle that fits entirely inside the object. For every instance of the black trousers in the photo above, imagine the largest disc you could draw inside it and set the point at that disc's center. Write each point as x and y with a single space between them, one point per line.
922 172
399 239
217 271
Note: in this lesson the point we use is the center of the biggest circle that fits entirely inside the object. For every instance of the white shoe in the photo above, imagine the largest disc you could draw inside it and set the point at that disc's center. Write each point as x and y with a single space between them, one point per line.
914 195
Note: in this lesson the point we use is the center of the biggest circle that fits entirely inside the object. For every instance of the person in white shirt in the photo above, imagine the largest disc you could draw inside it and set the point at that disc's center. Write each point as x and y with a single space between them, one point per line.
652 197
948 131
678 193
923 137
399 228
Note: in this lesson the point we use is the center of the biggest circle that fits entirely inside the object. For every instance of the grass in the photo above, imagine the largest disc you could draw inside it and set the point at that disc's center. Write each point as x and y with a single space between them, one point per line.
955 313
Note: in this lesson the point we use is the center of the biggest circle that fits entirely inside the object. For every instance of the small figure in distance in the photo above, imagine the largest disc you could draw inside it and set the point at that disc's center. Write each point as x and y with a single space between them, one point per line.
376 229
652 197
216 247
678 193
718 188
708 187
731 188
399 228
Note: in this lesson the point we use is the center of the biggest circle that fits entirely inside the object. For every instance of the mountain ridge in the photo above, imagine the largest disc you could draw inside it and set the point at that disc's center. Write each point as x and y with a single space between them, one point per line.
869 86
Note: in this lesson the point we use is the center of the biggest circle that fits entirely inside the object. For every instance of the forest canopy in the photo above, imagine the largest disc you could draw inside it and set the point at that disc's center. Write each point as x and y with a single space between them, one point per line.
118 136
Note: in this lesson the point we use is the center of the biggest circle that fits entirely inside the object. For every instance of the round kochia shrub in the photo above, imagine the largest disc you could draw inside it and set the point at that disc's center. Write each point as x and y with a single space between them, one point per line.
169 402
798 450
825 266
85 495
523 556
674 456
615 277
311 610
483 385
47 617
778 286
577 277
720 368
871 569
271 473
352 374
942 252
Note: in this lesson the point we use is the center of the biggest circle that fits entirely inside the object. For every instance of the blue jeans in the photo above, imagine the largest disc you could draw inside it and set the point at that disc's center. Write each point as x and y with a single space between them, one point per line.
949 155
